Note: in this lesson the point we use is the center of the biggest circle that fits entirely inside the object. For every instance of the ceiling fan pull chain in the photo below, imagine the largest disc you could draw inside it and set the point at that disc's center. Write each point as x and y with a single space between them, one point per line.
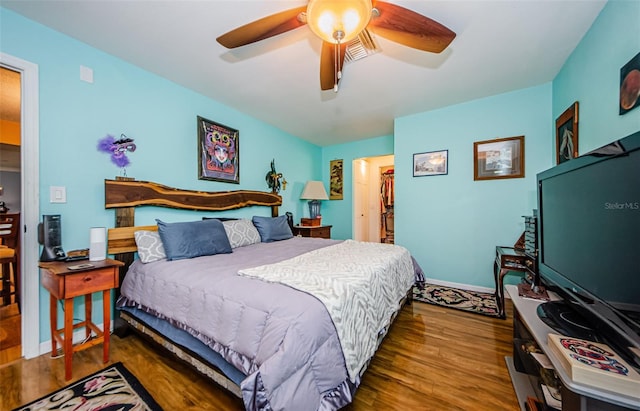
338 59
336 70
336 64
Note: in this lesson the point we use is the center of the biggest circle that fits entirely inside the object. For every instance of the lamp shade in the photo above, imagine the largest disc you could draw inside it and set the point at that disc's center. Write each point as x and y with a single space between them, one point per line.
314 190
338 21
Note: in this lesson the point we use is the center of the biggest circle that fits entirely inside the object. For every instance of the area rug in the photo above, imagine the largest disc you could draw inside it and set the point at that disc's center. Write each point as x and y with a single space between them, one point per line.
472 301
111 389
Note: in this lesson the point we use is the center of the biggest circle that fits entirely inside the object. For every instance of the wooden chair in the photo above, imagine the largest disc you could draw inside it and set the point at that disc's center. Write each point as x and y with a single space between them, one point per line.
10 256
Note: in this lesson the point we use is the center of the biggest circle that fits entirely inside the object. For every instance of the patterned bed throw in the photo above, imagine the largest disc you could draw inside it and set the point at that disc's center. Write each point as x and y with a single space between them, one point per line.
360 283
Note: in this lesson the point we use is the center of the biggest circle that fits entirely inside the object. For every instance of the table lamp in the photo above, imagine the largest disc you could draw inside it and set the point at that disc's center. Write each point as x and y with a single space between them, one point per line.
314 192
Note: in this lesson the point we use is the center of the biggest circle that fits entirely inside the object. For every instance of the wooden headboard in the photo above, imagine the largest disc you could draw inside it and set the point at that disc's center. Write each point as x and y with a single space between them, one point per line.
121 239
127 192
124 194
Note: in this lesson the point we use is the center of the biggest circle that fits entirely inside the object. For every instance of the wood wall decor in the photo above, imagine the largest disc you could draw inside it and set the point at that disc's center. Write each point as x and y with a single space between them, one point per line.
132 193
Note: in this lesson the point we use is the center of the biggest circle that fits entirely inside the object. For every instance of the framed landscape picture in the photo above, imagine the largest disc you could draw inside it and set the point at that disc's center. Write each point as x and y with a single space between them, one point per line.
218 152
498 158
432 163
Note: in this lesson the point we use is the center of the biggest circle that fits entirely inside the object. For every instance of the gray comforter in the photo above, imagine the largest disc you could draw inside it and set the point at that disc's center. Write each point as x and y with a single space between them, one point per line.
290 352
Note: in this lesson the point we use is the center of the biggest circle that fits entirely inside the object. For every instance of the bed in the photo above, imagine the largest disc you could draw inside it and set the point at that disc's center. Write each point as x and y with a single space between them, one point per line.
284 324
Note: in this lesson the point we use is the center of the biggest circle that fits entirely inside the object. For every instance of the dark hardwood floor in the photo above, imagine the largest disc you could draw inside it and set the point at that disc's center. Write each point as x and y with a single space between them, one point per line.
433 359
10 333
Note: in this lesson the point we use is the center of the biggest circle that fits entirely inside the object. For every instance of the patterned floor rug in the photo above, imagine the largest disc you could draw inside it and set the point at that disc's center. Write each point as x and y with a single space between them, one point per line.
472 301
111 389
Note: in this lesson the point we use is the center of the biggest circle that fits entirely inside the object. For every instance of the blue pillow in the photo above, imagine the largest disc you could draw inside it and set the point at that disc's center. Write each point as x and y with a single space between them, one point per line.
193 239
272 228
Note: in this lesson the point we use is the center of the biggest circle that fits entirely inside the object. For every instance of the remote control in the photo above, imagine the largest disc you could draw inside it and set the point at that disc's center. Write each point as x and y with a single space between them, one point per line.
80 266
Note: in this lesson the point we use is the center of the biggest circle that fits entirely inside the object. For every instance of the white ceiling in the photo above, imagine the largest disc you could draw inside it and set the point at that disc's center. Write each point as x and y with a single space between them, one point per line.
500 46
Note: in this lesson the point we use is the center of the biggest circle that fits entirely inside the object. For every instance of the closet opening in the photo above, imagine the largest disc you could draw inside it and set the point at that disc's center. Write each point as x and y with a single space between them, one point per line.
387 190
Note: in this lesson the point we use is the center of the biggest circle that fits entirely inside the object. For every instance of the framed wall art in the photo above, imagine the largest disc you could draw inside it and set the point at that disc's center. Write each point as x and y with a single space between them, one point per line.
335 180
630 85
431 163
499 158
218 152
567 134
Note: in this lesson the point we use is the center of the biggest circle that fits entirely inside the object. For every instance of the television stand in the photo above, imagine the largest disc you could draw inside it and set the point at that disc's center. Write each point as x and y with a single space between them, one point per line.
566 321
575 397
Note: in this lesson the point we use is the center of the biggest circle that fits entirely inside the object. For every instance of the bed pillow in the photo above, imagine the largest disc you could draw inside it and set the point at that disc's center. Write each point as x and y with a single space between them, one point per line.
150 246
193 239
272 228
241 232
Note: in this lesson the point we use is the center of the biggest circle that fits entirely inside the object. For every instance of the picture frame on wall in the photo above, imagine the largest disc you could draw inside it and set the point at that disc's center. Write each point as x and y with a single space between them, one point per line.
218 152
336 180
431 163
567 134
498 158
630 85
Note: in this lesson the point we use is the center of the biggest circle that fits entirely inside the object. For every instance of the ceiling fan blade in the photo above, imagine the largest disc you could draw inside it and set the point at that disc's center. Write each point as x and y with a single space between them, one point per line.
328 65
410 28
264 28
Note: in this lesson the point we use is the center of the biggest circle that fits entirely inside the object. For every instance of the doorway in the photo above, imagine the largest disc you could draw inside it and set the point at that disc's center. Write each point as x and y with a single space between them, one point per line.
28 204
373 193
10 195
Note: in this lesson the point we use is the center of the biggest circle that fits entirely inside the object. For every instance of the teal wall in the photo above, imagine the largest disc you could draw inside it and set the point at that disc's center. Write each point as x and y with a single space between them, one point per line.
339 213
591 76
158 114
450 223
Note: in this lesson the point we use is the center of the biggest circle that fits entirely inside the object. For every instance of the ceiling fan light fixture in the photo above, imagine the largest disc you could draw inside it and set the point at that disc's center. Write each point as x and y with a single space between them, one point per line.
336 21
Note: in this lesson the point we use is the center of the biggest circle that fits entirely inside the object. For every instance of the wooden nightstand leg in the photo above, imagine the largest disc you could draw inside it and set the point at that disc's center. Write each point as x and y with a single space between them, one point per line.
53 320
68 337
87 315
106 323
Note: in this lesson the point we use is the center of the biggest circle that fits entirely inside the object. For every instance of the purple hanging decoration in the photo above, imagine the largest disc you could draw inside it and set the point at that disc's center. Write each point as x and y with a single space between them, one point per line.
118 149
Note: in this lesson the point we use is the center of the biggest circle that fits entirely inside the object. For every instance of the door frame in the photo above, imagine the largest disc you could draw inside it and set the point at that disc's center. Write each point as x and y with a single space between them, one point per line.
360 218
30 198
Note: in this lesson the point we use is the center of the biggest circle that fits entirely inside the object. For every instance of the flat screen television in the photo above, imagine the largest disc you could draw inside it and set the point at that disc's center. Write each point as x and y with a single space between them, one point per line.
589 245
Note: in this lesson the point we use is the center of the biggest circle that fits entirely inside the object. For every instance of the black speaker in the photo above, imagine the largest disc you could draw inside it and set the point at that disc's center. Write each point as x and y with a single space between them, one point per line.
290 219
50 236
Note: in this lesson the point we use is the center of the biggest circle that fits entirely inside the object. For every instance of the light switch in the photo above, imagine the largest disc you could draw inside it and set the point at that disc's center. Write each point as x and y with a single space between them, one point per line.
86 74
58 194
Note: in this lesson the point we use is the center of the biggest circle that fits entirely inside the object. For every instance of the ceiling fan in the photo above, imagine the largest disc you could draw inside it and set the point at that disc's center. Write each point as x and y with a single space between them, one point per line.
337 22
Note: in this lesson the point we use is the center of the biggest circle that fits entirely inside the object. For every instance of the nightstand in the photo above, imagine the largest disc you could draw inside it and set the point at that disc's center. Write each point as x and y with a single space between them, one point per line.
322 231
65 283
507 259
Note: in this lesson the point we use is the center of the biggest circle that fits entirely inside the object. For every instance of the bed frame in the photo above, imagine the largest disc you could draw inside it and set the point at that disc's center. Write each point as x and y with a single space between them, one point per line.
123 195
